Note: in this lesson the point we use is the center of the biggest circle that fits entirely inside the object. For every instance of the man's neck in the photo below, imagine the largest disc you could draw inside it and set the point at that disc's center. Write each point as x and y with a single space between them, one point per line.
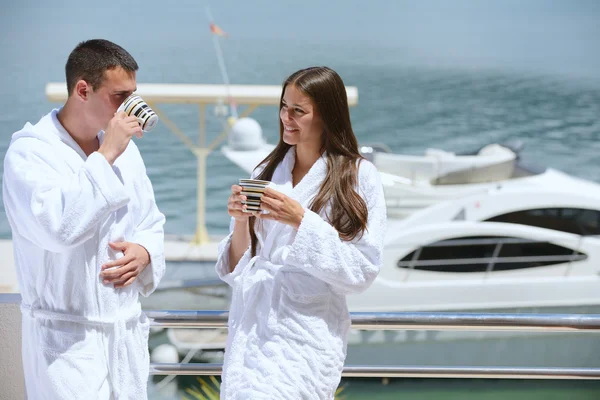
84 135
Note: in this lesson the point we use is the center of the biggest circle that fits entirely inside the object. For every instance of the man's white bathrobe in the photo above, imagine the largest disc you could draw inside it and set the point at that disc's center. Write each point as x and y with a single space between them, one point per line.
288 320
80 336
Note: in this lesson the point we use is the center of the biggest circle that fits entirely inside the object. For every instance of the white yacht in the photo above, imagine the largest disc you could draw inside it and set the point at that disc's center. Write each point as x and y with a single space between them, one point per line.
507 248
412 183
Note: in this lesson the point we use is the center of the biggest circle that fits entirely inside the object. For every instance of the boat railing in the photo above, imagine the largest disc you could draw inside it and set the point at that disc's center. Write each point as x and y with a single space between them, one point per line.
409 321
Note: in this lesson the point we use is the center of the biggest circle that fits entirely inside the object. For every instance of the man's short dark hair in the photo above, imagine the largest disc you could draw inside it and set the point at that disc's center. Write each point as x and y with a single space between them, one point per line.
90 59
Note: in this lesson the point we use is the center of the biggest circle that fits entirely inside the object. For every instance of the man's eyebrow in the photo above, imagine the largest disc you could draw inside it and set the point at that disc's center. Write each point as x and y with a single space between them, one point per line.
124 91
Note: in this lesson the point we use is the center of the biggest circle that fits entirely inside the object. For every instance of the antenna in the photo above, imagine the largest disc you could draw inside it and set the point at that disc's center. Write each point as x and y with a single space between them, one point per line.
218 32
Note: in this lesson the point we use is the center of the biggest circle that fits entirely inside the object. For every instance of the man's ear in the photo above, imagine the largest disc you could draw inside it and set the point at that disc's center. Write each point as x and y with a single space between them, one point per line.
82 90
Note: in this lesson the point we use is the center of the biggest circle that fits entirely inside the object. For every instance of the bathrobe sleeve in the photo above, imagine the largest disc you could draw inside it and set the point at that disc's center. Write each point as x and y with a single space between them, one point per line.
149 233
349 267
57 211
222 266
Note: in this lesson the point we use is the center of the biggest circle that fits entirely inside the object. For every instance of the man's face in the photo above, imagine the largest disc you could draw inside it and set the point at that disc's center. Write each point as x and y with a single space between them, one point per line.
102 104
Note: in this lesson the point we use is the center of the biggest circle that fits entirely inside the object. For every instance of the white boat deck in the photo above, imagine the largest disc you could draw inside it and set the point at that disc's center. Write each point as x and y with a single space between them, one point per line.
12 385
8 274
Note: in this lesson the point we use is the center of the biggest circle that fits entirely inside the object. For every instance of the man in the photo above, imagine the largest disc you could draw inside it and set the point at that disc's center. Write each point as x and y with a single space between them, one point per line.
87 236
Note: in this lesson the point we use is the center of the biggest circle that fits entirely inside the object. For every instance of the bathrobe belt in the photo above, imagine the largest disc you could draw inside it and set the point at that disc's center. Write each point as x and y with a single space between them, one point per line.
116 369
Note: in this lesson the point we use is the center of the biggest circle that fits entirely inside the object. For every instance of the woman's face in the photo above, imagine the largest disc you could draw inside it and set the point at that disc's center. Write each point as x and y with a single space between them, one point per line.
302 124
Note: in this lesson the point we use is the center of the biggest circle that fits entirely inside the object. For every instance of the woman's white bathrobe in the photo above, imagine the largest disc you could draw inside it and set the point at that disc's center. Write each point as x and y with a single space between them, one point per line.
63 207
288 320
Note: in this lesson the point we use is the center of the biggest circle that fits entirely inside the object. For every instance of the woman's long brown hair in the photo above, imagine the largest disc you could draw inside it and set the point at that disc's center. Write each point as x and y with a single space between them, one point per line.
348 209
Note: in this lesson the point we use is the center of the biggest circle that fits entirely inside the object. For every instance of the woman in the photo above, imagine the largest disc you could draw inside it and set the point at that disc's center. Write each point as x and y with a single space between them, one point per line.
318 238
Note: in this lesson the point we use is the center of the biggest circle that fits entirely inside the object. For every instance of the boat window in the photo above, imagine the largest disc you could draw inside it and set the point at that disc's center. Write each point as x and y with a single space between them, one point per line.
487 253
579 221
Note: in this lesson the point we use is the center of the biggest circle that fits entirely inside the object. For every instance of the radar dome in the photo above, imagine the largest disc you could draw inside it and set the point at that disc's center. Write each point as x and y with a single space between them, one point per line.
246 134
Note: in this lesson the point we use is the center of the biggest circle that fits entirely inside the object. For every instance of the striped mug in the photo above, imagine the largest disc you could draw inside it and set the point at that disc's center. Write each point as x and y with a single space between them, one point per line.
135 106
